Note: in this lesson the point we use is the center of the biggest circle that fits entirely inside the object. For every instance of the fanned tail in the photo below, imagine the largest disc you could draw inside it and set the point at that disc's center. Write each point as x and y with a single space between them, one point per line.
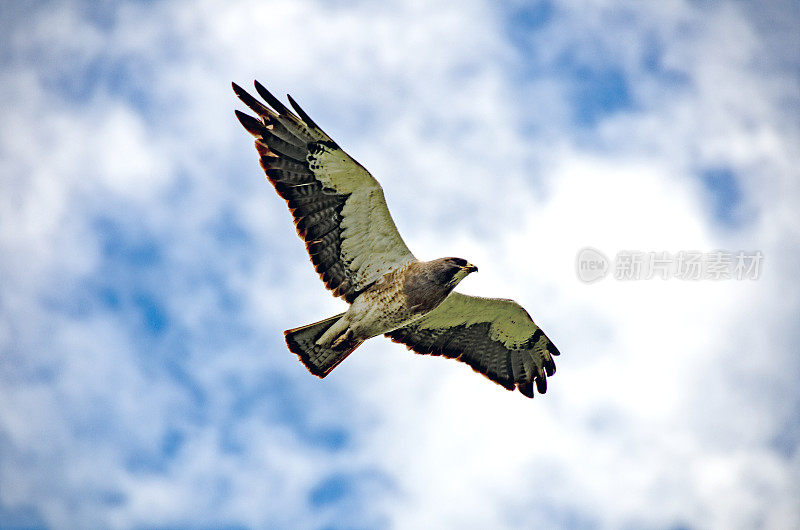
319 360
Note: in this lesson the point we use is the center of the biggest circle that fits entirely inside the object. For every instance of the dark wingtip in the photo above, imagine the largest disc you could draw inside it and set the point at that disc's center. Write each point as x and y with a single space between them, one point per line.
253 126
549 367
301 113
541 384
274 102
258 107
526 389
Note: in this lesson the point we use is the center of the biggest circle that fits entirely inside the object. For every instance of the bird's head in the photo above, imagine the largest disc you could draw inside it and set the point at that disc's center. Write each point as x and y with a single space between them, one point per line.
453 270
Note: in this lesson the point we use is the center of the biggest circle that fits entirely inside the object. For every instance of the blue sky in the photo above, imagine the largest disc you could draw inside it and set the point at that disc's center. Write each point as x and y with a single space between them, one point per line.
148 269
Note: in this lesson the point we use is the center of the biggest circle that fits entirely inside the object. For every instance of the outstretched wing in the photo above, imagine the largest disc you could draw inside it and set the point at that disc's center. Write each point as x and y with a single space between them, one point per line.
338 207
495 337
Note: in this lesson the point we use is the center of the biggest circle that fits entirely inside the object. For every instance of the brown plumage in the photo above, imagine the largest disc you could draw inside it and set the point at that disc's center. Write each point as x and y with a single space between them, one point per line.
340 212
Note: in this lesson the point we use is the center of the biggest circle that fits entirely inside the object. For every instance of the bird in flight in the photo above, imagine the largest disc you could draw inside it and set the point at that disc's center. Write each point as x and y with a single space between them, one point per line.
340 212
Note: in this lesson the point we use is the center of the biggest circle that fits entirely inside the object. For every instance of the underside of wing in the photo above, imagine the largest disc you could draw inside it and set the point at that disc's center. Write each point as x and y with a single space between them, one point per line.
497 338
338 207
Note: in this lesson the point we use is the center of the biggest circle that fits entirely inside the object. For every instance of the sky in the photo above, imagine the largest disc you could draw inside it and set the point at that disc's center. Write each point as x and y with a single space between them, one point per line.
147 269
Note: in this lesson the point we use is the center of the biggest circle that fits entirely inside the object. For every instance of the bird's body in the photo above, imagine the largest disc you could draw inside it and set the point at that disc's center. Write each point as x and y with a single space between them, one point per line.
397 299
340 212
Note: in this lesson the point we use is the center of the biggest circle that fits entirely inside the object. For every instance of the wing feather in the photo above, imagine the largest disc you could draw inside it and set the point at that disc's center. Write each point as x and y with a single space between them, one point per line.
283 148
338 207
495 337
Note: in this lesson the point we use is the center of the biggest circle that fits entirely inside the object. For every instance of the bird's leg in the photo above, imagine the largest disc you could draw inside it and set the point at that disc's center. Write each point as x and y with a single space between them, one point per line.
343 339
333 333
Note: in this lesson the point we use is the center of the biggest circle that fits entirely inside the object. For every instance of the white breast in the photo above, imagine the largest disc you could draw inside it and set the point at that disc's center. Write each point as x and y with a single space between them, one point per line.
379 310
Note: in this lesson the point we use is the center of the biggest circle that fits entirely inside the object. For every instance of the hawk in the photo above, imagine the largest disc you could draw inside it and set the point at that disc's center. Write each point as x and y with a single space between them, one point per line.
340 212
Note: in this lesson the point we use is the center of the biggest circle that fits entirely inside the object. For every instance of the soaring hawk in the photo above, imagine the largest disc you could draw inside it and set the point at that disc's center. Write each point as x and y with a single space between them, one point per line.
341 214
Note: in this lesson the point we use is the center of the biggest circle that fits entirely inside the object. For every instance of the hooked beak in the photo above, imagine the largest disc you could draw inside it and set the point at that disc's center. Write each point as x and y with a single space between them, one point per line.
470 268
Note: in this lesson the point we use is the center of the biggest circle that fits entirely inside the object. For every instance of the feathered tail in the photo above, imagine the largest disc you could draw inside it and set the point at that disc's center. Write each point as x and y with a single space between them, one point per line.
319 360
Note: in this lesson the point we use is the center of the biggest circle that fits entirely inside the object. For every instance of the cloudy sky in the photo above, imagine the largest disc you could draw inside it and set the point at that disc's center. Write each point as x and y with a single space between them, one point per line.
147 269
